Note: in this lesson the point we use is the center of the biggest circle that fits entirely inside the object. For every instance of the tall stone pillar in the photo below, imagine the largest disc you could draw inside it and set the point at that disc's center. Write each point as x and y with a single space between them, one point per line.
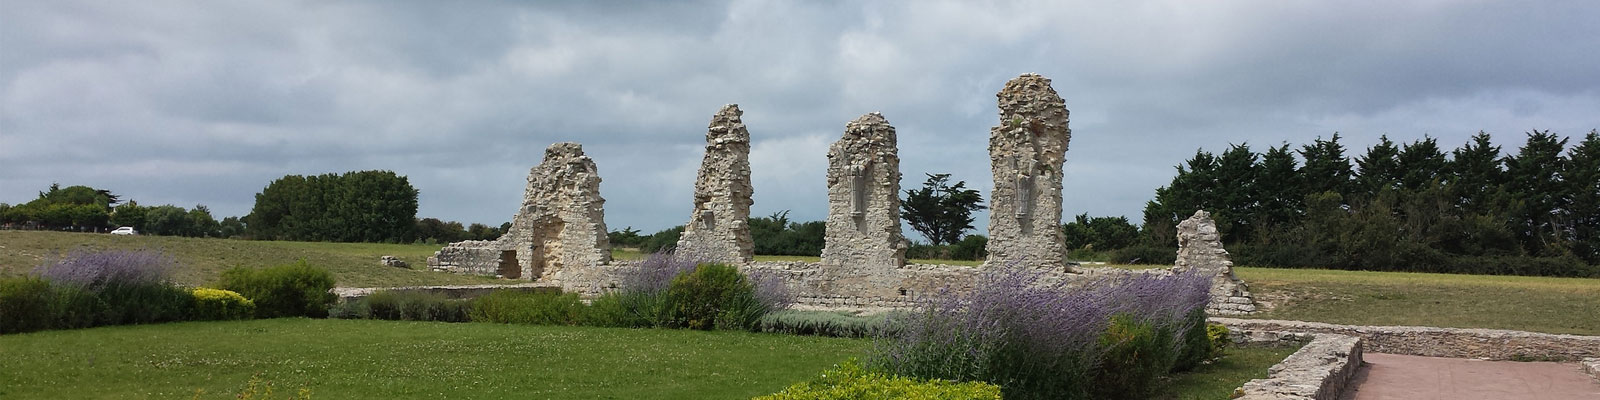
719 229
1026 153
863 227
562 220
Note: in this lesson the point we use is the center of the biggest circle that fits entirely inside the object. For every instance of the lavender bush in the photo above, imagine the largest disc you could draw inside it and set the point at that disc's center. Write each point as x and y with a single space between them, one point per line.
115 287
96 271
1035 338
674 290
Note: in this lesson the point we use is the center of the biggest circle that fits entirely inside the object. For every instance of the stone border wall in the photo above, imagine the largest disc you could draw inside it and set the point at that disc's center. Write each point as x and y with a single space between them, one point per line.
1492 344
1319 370
1592 366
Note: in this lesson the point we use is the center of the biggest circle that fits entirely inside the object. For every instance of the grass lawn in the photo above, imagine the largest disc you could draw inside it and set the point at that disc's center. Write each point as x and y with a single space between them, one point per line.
1539 304
1217 380
346 359
389 359
352 264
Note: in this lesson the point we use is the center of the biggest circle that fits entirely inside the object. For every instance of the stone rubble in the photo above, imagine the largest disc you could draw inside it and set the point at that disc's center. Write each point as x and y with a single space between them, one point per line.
392 261
1320 370
1200 248
719 229
1026 154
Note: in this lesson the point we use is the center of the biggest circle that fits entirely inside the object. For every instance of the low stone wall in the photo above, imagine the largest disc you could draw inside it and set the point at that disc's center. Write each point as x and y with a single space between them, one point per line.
453 292
471 257
1319 370
1492 344
1592 366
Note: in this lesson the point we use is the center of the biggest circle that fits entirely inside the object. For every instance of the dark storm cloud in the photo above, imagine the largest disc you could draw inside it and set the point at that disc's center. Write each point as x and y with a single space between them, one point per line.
190 103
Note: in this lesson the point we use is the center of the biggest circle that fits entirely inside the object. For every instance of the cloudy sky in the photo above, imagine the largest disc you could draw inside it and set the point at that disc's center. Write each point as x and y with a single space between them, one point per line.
206 102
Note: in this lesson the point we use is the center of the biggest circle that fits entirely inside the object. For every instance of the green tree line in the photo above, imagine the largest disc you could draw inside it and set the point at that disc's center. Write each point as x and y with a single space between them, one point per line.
362 206
1406 207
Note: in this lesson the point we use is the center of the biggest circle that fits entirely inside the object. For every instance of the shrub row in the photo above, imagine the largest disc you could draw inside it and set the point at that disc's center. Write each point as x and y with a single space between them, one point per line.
826 324
1037 339
87 289
663 291
852 381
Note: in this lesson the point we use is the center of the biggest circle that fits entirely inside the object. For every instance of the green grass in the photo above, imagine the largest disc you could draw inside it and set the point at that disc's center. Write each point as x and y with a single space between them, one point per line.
203 260
341 359
1218 379
1540 304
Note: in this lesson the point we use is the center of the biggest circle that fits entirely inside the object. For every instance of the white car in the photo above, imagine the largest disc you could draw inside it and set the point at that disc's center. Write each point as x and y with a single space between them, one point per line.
126 230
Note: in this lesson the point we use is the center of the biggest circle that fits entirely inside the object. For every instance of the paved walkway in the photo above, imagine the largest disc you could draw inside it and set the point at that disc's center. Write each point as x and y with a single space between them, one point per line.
1389 376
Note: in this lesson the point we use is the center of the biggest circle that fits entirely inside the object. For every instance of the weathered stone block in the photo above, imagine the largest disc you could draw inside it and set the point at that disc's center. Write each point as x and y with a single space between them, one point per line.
863 226
1026 153
718 229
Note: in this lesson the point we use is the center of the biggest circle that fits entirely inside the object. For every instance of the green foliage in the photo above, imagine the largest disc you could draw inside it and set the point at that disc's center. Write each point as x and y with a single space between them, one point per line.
74 207
167 220
230 227
407 305
1137 353
1099 233
1144 254
851 381
940 211
713 296
969 248
27 304
129 214
822 323
1201 342
1583 185
362 206
775 235
292 290
627 237
519 307
143 303
666 239
218 304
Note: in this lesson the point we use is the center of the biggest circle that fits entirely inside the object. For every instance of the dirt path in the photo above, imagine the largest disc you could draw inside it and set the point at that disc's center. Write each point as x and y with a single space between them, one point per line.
1389 376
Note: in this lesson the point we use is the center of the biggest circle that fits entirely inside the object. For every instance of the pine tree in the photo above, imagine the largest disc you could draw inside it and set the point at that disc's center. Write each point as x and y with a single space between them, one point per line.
1421 162
1235 197
1476 177
1326 168
1583 184
1380 168
1278 187
1535 182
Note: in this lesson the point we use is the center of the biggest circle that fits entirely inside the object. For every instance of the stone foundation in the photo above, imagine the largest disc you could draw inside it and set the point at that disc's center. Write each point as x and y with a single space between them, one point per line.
1489 344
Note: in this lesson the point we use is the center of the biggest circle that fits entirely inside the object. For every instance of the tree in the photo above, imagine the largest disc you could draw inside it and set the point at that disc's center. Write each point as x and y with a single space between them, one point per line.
1326 169
1278 185
1236 193
363 206
1476 178
940 211
1583 194
168 220
129 214
231 227
1535 182
1380 168
1421 162
202 224
1099 233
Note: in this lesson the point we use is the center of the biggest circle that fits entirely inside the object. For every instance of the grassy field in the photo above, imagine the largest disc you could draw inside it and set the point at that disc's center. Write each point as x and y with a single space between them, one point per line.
353 264
346 359
386 359
1552 305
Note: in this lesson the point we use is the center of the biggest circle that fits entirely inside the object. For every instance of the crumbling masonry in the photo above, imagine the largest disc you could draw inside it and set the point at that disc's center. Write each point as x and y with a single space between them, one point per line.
559 235
1200 248
1026 153
561 225
719 229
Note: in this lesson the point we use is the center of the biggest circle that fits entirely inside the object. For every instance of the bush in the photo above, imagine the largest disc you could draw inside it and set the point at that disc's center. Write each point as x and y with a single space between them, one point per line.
713 296
127 287
1136 353
851 381
1037 338
518 307
283 291
26 305
821 323
218 304
1201 342
406 305
629 309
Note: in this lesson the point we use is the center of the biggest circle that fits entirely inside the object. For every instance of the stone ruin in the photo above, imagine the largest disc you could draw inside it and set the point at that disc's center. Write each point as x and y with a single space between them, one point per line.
1200 248
560 226
864 197
1026 153
718 229
559 236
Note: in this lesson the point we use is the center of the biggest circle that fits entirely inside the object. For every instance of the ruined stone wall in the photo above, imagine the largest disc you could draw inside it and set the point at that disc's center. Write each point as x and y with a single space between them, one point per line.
863 226
471 257
1200 248
561 224
718 229
562 219
1026 153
